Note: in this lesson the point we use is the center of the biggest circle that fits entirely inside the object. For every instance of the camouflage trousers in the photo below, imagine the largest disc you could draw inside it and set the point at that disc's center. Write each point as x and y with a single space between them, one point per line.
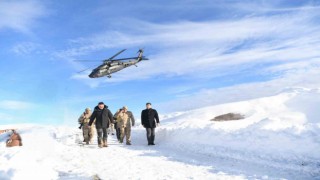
87 133
125 131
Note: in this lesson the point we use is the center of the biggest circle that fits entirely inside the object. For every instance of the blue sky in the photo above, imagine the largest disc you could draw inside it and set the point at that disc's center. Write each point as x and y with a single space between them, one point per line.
201 53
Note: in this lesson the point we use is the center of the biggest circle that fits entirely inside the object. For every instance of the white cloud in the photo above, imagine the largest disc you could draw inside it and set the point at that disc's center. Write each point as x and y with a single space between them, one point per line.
306 78
83 77
262 7
16 105
211 48
24 48
20 15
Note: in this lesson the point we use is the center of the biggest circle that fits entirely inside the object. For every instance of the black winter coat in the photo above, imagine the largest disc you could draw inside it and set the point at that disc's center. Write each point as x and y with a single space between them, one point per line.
103 117
149 117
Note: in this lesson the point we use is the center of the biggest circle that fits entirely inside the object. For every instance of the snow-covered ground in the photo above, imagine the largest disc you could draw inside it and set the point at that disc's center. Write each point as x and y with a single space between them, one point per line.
278 139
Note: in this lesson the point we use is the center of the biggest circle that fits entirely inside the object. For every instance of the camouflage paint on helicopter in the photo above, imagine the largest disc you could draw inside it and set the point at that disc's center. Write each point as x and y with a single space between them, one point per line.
112 65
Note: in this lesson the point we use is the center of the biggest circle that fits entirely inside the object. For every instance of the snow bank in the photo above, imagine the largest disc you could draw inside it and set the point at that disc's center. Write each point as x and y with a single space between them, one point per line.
281 131
48 152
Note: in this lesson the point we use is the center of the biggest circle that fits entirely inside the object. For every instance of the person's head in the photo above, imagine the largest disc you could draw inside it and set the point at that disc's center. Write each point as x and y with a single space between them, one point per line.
88 110
125 108
148 105
101 105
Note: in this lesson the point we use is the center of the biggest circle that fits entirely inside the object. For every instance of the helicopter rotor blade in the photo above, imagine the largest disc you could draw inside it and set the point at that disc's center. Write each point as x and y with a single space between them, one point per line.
116 54
86 60
85 69
101 60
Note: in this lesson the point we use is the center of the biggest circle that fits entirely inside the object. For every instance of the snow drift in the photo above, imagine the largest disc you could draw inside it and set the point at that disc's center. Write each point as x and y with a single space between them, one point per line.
281 133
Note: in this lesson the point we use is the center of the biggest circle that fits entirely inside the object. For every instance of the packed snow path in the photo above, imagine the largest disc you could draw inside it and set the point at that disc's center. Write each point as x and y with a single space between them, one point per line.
54 153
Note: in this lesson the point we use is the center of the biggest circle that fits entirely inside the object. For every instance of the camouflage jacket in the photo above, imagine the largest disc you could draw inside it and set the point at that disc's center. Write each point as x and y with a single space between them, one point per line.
84 118
131 118
122 120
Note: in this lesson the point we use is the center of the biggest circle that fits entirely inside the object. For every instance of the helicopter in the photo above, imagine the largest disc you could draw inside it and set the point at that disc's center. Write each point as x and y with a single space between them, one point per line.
111 65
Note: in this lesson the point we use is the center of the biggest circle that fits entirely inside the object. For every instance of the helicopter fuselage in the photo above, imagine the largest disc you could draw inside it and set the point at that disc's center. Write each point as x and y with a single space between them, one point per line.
110 67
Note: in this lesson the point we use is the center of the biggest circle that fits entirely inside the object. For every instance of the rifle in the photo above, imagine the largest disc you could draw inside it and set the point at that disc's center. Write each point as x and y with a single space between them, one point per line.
81 124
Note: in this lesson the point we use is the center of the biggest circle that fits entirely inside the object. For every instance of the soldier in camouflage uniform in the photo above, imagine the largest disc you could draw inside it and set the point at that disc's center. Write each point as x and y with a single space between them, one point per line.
124 121
116 125
84 120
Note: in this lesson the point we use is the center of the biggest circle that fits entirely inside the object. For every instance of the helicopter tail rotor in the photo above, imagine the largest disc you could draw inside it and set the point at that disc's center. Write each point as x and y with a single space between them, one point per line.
141 50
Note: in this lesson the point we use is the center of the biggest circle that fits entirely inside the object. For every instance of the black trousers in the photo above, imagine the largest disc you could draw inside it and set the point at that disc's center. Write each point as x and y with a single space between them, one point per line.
150 135
118 133
102 135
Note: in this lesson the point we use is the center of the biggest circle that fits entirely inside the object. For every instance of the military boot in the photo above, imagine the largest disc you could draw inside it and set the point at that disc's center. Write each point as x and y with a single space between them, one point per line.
105 143
87 141
100 143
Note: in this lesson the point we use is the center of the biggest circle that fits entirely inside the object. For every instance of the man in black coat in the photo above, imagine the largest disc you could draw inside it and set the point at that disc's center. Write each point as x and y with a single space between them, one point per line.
150 120
103 118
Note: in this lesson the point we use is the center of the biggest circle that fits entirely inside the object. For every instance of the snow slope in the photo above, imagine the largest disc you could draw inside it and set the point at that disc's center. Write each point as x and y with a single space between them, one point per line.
279 138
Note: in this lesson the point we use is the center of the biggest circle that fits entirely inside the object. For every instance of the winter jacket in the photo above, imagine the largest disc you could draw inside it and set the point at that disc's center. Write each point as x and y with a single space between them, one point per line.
84 118
149 117
131 118
122 119
103 117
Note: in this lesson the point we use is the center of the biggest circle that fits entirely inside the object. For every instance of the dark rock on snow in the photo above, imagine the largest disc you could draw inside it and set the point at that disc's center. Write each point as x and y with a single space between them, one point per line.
228 117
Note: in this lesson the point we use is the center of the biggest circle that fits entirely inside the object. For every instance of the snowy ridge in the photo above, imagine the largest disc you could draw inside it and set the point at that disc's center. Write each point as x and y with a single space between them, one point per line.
281 131
279 138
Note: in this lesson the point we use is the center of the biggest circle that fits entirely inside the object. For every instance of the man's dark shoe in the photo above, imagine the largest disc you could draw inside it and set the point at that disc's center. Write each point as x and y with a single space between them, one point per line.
153 144
128 143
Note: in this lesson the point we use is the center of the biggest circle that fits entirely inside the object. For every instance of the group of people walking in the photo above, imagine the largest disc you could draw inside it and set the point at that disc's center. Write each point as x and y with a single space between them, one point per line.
101 119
